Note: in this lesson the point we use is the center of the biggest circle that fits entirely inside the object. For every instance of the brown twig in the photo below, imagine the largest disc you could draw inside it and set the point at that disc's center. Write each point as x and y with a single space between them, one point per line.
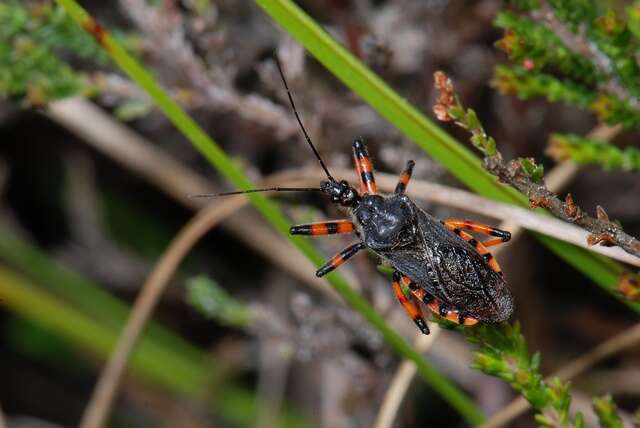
518 174
570 371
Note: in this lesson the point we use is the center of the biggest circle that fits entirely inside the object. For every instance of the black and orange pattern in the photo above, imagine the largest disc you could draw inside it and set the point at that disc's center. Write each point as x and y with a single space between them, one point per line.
323 228
435 305
340 258
364 168
456 227
405 176
409 306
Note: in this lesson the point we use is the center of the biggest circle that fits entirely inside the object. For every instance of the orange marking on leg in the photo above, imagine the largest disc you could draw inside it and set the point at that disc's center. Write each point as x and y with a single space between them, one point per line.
492 242
319 229
479 246
364 168
345 226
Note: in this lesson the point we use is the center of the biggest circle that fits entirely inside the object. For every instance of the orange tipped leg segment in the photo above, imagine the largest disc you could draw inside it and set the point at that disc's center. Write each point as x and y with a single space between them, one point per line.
409 306
324 228
340 258
405 176
364 168
457 226
435 305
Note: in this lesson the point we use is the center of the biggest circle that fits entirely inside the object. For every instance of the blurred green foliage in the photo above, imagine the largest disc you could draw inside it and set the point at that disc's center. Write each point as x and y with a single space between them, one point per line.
589 151
37 39
212 301
607 412
581 53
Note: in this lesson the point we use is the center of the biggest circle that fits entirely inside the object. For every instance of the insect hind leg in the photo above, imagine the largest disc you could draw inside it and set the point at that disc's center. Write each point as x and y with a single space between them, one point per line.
435 305
456 227
409 306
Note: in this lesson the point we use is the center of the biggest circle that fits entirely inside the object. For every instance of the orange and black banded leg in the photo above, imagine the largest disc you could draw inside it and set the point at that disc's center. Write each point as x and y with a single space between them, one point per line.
410 307
479 246
502 236
364 168
324 228
435 305
340 258
405 176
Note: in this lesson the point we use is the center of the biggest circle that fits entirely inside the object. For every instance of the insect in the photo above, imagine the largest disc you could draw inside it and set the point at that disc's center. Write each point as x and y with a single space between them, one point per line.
440 264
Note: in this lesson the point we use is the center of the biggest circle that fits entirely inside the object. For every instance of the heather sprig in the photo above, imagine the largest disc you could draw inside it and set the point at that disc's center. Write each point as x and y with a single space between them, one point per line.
577 52
503 353
589 151
607 412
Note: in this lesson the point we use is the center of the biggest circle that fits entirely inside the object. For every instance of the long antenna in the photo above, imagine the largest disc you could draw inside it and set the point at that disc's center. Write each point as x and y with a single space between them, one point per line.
304 131
268 189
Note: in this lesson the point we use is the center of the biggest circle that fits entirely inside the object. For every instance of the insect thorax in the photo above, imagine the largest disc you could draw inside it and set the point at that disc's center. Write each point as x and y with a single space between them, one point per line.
385 222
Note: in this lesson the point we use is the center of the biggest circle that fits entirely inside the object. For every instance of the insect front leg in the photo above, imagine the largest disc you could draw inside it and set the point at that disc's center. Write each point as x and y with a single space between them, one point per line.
364 168
410 307
404 178
323 228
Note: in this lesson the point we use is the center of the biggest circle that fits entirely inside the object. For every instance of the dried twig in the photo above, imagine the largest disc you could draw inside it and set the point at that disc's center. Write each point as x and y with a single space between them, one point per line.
526 177
571 370
102 399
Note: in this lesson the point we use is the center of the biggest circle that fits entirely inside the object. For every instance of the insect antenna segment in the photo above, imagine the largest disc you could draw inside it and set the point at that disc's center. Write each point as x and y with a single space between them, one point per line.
304 131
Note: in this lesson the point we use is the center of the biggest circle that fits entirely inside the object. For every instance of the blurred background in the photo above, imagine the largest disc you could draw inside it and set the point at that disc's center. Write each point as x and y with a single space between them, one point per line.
95 188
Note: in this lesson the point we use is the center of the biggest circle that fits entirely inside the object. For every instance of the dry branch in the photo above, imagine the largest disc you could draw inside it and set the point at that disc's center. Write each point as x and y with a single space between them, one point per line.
517 173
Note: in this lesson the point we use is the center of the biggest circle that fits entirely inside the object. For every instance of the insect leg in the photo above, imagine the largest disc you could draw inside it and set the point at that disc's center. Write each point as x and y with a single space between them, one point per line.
364 167
410 307
324 228
479 246
436 305
501 235
340 258
405 176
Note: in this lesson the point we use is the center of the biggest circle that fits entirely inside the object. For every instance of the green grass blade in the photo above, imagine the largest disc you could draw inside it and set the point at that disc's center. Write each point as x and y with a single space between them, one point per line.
201 141
431 138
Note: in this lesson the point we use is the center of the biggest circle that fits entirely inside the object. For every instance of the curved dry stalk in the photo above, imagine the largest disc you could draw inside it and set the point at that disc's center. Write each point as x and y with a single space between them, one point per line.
103 396
401 381
571 370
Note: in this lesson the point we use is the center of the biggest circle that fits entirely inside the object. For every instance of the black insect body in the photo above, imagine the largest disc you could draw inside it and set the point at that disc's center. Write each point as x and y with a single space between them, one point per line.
441 264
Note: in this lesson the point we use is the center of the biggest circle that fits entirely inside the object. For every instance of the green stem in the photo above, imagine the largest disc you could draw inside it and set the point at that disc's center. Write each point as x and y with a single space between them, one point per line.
209 149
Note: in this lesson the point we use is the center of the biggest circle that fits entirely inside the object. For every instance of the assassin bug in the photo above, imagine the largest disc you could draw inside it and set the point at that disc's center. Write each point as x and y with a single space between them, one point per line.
440 264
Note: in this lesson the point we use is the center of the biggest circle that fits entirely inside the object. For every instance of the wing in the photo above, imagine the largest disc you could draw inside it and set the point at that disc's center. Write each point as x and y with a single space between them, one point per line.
449 268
